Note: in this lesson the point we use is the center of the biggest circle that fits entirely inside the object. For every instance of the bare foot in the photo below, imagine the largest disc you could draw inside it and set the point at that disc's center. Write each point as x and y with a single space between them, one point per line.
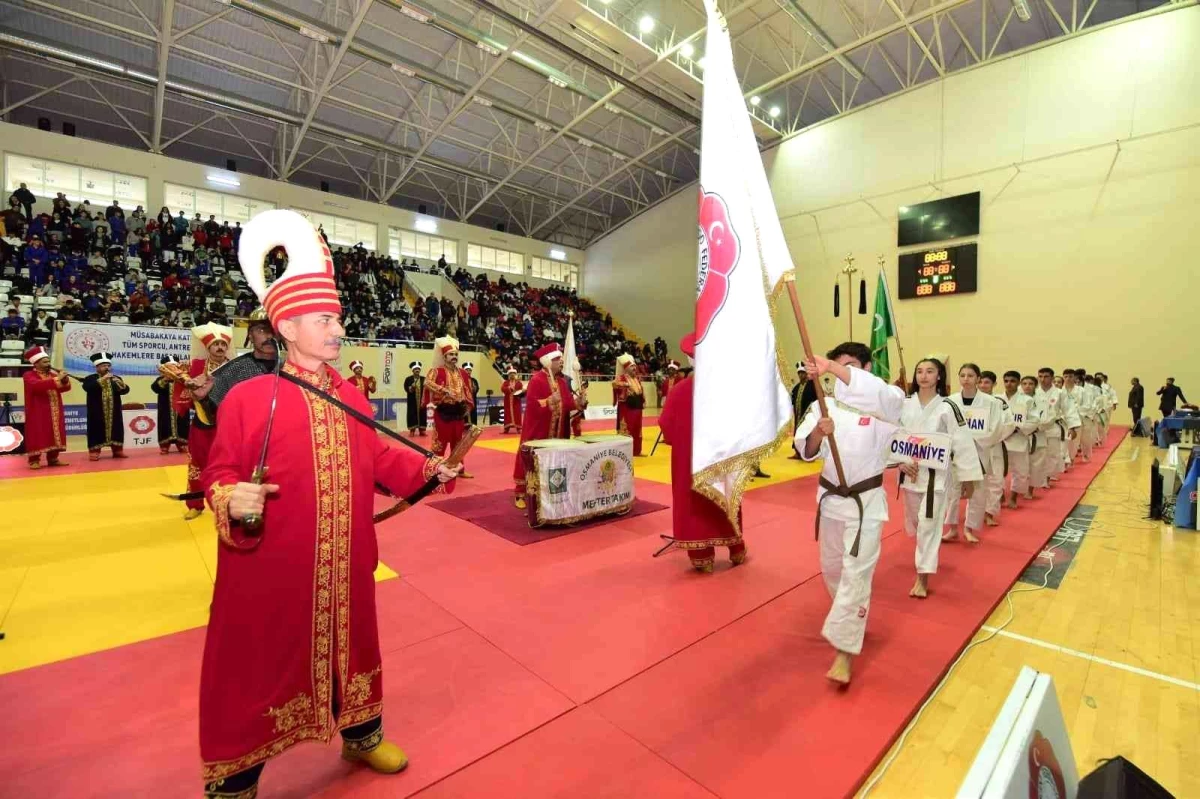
920 588
971 537
990 520
839 672
950 537
1012 503
1030 495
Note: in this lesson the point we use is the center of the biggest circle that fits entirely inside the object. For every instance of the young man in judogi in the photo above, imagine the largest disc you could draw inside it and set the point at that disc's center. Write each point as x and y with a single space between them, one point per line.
926 411
1052 423
988 426
996 478
863 412
1022 410
1108 405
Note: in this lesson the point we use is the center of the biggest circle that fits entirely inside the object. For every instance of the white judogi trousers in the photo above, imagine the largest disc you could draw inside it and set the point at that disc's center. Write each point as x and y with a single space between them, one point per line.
848 579
926 528
976 505
1087 437
1056 462
1018 468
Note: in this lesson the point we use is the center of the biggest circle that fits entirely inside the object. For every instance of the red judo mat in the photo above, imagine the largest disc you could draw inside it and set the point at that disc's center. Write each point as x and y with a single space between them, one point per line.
581 667
495 512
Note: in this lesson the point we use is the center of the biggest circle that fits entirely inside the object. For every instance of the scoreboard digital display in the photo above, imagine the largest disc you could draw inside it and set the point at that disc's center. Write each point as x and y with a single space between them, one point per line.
938 273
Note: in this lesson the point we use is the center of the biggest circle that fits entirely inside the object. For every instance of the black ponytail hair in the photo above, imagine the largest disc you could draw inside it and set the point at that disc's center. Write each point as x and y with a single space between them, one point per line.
942 390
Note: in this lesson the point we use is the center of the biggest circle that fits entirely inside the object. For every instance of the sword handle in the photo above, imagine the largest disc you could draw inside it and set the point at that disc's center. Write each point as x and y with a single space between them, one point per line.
252 523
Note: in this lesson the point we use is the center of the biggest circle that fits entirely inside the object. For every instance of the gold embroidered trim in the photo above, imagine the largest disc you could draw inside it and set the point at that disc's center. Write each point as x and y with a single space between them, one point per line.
219 769
364 745
218 500
212 791
742 467
358 689
709 542
429 469
193 470
56 427
292 714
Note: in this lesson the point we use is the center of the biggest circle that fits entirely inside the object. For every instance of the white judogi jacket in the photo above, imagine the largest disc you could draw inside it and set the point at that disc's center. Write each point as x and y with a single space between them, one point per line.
1110 398
1052 408
987 424
1024 412
865 414
940 416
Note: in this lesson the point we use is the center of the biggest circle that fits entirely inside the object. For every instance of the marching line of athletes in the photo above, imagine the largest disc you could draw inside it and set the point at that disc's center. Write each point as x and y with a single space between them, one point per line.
1002 447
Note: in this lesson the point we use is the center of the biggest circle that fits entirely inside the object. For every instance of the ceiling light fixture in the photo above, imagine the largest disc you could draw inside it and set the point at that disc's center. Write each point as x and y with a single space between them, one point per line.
425 225
483 101
222 180
540 125
755 100
774 112
660 173
403 70
413 12
658 131
315 35
686 50
559 82
558 255
487 48
1022 9
646 24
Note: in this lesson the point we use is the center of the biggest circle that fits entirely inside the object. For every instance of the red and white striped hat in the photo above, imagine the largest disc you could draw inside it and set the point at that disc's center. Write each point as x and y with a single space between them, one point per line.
307 284
355 365
35 354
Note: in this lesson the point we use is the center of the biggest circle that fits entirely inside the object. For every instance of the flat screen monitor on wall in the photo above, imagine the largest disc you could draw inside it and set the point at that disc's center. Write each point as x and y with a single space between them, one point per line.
939 220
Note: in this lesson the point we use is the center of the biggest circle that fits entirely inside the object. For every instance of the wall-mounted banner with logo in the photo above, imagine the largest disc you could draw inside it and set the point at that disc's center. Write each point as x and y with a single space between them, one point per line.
135 349
931 450
570 481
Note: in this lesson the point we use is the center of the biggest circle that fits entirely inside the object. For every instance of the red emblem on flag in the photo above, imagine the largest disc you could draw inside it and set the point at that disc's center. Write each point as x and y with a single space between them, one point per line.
1045 774
719 251
141 425
10 439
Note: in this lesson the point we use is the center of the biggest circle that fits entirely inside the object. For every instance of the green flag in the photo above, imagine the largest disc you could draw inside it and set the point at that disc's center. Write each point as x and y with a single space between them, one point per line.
883 328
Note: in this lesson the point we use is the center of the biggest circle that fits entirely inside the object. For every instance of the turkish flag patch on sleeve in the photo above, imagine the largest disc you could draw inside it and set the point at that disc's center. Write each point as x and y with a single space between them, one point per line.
863 421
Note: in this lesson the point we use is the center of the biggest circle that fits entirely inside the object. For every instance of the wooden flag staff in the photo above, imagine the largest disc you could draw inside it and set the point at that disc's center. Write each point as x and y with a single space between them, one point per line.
808 354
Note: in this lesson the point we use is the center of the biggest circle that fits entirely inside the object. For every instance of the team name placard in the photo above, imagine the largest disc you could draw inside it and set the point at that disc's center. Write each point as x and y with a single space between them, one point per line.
931 450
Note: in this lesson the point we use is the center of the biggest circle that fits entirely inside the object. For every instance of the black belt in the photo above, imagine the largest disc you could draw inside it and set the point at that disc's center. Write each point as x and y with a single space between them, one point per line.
854 493
1004 452
930 487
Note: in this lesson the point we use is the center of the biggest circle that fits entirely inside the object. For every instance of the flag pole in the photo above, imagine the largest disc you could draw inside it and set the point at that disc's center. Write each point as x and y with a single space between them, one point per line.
808 354
848 271
887 293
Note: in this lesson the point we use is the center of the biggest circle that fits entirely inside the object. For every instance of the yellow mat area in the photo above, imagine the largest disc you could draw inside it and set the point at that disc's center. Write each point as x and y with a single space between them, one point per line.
93 561
657 467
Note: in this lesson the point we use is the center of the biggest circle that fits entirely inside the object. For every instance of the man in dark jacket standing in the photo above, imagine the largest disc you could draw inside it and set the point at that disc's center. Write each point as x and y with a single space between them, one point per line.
1137 401
1171 397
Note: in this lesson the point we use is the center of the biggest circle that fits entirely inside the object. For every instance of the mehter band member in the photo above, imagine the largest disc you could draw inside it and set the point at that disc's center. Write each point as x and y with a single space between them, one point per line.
513 390
189 398
364 384
548 407
448 395
45 423
414 392
172 425
291 652
105 414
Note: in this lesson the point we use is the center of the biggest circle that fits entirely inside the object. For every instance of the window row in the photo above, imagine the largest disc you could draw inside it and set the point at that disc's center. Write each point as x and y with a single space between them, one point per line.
46 179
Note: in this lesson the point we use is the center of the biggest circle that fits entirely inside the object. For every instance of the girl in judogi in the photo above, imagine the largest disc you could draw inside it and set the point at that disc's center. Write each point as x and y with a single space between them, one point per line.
1022 440
926 411
987 425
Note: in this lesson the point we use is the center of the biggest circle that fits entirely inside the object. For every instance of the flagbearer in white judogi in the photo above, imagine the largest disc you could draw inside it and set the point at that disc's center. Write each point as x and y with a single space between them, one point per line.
938 441
863 412
1022 410
987 425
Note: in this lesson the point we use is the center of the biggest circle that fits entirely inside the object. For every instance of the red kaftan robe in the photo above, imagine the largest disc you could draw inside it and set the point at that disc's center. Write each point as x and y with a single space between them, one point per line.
627 391
45 424
670 382
512 404
364 384
699 524
548 407
293 611
201 431
448 388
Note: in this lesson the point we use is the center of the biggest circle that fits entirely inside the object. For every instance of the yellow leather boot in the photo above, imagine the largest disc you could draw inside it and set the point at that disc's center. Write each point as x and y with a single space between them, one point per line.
387 758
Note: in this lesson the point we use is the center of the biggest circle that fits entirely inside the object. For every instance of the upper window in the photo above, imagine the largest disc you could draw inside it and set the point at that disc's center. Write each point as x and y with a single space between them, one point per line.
340 231
46 179
482 257
559 271
411 244
225 207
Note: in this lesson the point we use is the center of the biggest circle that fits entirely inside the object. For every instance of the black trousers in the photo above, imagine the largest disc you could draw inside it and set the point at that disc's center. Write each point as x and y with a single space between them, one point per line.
1137 415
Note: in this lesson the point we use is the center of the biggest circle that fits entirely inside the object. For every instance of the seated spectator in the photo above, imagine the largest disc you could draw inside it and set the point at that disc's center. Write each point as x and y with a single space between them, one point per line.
13 324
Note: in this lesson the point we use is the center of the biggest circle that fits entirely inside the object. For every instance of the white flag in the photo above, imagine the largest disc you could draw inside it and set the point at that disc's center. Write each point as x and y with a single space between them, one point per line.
743 409
571 368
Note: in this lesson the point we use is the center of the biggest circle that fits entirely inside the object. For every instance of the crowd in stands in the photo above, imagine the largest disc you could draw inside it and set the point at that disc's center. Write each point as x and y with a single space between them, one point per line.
101 265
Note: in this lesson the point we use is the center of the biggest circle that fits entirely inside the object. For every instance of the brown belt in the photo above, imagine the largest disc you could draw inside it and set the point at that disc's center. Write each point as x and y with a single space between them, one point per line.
854 493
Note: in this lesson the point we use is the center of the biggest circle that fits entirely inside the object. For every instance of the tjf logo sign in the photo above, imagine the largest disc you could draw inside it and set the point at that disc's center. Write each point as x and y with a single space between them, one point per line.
142 429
